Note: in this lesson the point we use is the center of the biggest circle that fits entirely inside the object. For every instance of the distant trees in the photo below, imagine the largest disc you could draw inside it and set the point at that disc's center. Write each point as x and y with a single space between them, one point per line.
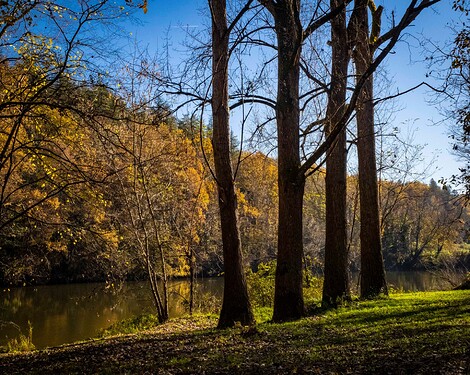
47 52
45 200
425 221
258 213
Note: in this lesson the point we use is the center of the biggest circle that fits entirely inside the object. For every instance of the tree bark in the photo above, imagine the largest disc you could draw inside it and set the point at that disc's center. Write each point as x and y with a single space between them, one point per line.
236 306
372 279
288 296
336 282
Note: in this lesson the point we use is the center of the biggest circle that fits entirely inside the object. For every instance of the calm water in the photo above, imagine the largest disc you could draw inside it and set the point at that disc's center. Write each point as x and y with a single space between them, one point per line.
66 313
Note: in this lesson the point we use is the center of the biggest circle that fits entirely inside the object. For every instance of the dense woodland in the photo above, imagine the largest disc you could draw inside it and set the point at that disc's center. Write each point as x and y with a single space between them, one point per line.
103 178
80 204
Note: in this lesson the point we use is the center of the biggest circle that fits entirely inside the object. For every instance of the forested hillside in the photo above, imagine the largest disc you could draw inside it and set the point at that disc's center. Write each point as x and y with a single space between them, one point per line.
103 178
95 197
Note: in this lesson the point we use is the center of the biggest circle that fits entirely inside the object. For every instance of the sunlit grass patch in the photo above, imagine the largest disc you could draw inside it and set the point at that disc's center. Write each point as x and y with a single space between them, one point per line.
132 325
263 314
405 333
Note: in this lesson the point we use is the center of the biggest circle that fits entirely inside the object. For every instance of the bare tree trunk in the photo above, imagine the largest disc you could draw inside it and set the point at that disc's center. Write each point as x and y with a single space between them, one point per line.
336 283
192 266
372 267
236 305
288 296
161 254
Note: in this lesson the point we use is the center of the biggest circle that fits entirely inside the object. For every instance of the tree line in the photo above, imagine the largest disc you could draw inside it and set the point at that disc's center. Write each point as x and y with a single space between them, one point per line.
102 180
147 188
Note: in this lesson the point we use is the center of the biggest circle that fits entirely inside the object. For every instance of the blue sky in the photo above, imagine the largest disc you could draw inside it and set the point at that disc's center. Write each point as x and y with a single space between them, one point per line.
404 65
408 68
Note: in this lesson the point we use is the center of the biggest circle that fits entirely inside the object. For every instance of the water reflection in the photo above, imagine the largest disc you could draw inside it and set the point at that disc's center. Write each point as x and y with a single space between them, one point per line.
412 281
66 313
416 281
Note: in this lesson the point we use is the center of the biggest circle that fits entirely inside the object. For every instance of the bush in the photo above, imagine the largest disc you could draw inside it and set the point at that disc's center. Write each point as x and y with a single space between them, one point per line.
261 285
22 343
313 286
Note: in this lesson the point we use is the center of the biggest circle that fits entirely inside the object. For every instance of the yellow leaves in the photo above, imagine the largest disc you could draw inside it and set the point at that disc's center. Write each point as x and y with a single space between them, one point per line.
144 6
111 238
99 217
54 203
181 267
245 207
35 50
56 246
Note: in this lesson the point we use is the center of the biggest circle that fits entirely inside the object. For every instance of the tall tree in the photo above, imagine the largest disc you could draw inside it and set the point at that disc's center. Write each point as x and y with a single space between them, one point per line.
288 297
236 305
336 283
286 15
372 278
387 42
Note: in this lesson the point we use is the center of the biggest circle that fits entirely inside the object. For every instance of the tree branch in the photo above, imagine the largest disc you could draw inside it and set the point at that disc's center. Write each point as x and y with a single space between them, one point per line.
411 13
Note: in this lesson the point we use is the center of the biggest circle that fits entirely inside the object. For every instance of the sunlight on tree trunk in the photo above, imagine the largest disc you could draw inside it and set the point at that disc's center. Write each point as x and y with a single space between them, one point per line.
372 276
336 283
288 295
236 305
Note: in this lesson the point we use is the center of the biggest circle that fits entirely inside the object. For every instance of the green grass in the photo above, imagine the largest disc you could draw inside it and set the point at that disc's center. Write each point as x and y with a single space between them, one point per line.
415 333
263 314
131 325
22 343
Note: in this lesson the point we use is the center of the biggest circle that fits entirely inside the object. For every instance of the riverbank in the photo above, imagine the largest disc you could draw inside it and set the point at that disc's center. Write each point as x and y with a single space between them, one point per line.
407 333
63 314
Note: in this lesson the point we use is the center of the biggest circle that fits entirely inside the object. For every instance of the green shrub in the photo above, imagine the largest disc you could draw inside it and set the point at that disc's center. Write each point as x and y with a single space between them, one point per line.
263 314
206 303
21 343
261 285
313 286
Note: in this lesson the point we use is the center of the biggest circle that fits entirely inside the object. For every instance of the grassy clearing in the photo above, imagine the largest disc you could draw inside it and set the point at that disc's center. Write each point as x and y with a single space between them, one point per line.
427 333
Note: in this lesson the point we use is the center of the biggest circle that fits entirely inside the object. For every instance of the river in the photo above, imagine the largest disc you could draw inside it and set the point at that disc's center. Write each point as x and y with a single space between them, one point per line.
62 314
